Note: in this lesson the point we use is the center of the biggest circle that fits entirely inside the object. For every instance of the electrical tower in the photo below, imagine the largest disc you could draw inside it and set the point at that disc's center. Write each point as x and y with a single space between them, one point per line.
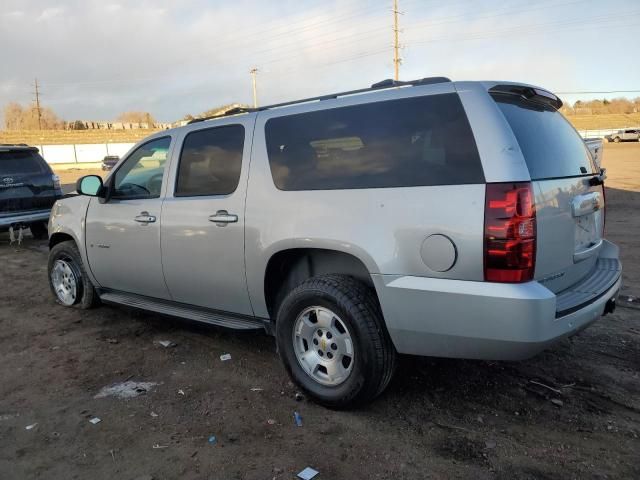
37 100
396 42
253 73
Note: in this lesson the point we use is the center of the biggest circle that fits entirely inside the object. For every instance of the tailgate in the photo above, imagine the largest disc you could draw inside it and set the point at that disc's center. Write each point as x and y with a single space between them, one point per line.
569 196
570 220
26 182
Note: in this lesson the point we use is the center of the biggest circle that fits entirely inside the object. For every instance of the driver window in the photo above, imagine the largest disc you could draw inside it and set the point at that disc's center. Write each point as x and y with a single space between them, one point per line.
140 176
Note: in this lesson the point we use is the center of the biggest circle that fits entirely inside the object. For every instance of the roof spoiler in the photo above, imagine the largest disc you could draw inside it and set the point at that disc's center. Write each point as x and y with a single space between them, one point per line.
532 94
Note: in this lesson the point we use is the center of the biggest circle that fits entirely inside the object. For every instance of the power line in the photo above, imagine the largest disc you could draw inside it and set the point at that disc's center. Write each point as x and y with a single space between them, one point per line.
593 92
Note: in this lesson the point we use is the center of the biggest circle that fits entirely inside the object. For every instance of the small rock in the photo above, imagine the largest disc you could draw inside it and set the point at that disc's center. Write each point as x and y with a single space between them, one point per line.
491 444
299 397
30 427
154 414
112 340
212 440
167 343
557 402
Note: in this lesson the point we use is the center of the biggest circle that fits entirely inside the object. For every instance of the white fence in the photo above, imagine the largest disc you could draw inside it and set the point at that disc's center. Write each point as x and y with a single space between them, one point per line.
599 133
82 153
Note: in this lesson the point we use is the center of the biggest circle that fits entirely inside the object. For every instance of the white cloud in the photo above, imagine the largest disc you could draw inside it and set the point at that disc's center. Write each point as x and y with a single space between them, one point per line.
49 14
96 59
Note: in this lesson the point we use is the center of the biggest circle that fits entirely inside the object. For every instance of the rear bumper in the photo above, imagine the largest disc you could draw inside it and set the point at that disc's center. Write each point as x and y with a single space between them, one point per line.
482 320
24 218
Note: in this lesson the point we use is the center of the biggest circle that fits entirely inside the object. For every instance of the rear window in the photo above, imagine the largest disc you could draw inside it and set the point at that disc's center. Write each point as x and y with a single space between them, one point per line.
410 142
550 145
22 162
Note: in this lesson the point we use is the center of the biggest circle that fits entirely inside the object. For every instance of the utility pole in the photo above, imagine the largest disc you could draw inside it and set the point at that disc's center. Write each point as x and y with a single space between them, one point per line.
396 44
37 93
253 73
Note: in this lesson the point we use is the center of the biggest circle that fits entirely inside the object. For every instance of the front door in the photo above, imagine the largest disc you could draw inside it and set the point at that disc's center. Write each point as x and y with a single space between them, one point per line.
123 233
203 220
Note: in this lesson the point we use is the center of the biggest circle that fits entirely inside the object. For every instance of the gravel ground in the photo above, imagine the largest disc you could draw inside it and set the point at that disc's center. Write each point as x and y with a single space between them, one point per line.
571 412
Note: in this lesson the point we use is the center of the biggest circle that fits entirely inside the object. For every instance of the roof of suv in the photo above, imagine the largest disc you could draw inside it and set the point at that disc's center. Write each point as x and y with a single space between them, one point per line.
492 86
6 147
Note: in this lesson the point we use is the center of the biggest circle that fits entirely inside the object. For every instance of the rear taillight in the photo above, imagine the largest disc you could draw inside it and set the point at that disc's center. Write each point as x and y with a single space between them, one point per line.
56 182
509 232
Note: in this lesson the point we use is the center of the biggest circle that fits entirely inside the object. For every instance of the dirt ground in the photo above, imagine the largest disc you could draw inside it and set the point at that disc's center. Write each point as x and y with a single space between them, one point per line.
439 418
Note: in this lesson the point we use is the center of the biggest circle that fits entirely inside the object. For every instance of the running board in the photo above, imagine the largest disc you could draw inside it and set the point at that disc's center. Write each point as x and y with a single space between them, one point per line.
181 310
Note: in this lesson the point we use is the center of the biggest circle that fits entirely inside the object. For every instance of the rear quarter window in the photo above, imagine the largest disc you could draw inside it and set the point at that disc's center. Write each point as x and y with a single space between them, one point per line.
550 145
417 141
23 162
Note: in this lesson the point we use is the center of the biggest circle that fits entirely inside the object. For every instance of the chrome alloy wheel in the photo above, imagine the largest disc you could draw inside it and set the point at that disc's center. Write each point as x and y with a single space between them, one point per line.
64 282
323 346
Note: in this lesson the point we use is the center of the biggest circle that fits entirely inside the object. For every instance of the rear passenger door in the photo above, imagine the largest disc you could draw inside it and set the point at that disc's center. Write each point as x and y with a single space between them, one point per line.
203 218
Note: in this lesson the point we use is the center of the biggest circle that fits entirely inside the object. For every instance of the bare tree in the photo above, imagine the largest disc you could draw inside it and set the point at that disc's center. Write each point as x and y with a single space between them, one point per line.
136 117
17 117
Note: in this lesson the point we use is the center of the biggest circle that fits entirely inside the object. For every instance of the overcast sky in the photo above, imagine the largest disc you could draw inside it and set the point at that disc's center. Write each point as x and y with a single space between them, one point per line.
96 59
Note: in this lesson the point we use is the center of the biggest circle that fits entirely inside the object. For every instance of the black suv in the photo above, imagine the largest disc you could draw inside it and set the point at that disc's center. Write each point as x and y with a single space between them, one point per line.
28 189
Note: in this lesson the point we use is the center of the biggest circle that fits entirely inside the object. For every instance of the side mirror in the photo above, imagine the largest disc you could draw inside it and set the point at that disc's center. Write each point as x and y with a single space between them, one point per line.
90 185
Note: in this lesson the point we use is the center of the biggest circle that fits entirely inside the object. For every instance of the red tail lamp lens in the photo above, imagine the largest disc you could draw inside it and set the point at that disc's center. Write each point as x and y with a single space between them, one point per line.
509 232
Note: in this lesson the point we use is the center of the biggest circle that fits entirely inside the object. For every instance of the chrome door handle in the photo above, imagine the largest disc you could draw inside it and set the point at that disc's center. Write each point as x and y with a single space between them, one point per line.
222 217
144 217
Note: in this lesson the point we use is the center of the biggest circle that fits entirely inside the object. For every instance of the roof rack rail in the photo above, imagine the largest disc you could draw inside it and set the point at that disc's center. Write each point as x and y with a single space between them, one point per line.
231 111
388 83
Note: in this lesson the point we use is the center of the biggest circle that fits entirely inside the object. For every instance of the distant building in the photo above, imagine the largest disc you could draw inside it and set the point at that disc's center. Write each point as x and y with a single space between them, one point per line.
93 125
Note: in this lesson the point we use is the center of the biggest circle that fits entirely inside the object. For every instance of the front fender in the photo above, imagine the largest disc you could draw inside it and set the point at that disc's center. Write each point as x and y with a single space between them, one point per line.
67 218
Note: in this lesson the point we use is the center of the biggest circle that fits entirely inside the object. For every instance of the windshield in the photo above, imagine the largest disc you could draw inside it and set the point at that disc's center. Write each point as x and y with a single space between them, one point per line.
550 145
23 162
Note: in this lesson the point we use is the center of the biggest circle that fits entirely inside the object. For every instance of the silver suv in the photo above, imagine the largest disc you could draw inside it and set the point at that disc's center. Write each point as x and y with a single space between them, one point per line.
451 219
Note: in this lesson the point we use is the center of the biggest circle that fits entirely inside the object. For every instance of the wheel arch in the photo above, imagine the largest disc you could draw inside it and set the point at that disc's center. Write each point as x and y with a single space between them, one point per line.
289 267
60 237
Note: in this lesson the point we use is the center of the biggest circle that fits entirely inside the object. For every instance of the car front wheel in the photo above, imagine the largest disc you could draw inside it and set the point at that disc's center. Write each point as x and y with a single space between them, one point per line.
68 280
333 343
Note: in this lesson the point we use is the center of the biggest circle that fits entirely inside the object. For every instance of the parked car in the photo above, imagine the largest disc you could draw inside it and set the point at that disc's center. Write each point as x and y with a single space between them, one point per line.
443 219
28 189
628 135
109 161
595 147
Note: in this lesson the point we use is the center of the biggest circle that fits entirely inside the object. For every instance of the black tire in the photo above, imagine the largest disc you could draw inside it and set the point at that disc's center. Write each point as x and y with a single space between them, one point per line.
374 354
616 140
86 296
39 230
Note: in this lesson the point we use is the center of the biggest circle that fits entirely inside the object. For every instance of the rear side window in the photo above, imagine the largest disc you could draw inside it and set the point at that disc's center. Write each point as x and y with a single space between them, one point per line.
410 142
211 161
23 162
550 145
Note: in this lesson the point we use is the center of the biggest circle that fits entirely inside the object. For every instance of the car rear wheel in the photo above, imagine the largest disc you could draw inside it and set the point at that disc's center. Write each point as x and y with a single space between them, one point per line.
68 280
617 139
332 341
39 230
